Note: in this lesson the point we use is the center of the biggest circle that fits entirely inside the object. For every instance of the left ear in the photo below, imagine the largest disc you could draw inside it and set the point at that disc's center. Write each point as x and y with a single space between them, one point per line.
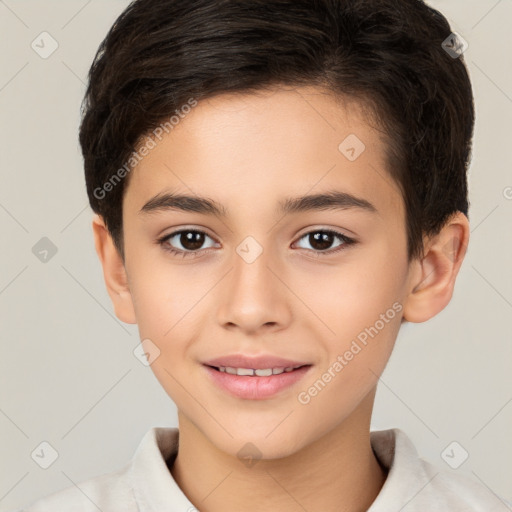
433 277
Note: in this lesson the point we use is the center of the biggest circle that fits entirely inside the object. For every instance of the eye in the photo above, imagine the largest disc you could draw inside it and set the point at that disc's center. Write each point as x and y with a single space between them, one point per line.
190 239
322 239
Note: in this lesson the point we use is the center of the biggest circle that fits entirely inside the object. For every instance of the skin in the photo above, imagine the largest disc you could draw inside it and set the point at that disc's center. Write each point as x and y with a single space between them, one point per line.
248 152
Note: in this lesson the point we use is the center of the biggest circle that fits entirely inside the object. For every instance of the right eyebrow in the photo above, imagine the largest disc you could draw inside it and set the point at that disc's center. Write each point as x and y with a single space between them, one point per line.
169 201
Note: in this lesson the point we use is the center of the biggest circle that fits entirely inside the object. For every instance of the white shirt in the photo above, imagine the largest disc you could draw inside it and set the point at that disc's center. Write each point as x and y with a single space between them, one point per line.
145 484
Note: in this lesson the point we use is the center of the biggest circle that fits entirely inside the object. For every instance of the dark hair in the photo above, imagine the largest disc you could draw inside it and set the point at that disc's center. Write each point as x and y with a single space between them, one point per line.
388 54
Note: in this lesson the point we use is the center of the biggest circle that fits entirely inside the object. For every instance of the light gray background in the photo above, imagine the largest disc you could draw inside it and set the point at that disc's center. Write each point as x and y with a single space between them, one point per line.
68 373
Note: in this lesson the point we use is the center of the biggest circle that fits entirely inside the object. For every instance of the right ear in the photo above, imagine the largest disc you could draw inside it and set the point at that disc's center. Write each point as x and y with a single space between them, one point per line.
114 272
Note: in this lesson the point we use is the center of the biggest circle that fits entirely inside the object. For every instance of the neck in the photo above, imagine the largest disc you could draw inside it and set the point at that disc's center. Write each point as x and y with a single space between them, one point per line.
338 472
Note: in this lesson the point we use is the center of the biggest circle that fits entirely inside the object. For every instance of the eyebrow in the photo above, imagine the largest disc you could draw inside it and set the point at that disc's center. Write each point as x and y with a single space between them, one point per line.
330 200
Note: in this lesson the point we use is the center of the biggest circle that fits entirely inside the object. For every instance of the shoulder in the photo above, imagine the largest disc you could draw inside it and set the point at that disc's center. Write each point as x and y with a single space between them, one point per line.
145 483
456 491
416 485
105 492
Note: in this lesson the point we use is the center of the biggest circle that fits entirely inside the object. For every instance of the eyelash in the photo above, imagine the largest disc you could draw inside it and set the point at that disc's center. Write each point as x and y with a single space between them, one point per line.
185 254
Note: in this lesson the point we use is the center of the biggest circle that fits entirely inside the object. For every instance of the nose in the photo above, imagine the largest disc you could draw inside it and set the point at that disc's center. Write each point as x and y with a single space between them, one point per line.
253 296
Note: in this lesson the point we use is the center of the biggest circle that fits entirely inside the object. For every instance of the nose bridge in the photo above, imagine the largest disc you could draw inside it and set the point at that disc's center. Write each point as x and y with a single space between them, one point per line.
251 274
253 296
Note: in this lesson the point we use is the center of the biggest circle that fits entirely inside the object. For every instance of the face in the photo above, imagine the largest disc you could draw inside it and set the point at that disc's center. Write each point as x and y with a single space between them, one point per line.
319 282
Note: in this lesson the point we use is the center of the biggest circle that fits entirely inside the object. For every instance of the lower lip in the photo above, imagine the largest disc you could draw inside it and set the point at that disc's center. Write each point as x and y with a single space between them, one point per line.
253 387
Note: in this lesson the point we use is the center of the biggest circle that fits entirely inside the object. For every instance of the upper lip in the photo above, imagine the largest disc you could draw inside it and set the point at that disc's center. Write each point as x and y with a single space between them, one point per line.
256 363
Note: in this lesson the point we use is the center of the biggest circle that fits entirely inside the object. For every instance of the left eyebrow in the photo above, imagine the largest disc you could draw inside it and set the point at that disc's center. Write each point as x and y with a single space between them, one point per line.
330 200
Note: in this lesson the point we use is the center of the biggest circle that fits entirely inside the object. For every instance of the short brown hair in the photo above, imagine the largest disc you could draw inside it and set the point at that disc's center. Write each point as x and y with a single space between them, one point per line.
386 53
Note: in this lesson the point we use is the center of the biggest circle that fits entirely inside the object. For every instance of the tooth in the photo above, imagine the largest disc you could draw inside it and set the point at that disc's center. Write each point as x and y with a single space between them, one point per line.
264 373
244 371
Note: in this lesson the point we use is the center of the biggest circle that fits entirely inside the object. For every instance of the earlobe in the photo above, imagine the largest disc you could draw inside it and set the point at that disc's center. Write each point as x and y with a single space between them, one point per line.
433 277
114 272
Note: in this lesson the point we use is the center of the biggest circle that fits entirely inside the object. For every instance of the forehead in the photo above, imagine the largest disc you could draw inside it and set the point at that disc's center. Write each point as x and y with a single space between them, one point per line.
248 150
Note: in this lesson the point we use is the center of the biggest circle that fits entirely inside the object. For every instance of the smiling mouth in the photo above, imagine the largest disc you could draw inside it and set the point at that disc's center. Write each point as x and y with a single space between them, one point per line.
256 383
260 372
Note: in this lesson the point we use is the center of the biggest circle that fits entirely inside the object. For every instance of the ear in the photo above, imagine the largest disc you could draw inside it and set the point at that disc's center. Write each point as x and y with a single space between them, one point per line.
114 272
433 277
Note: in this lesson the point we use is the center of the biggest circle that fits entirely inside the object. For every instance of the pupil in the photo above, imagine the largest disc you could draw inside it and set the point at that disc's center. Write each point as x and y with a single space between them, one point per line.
321 240
192 240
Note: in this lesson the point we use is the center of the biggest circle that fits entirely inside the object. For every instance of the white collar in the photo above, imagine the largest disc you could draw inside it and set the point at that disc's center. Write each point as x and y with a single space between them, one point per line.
155 489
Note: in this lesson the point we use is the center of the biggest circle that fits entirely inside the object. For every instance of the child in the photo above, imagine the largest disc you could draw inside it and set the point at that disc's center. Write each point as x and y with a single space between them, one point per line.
277 187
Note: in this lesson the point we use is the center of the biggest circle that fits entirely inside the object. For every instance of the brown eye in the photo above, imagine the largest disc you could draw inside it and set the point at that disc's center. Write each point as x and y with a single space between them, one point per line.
185 242
191 240
322 240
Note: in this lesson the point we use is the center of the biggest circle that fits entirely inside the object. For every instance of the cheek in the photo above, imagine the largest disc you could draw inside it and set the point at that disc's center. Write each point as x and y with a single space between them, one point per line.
165 297
355 294
356 357
359 303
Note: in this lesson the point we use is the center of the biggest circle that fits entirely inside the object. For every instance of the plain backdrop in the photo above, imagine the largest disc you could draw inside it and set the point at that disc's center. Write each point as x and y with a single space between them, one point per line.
68 375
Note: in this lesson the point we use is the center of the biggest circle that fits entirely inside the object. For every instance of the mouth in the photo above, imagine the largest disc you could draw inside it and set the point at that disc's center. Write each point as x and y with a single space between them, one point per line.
256 383
256 372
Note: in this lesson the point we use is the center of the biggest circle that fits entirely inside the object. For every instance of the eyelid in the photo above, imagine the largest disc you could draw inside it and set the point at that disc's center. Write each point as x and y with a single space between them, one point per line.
347 241
322 227
190 227
341 231
172 234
